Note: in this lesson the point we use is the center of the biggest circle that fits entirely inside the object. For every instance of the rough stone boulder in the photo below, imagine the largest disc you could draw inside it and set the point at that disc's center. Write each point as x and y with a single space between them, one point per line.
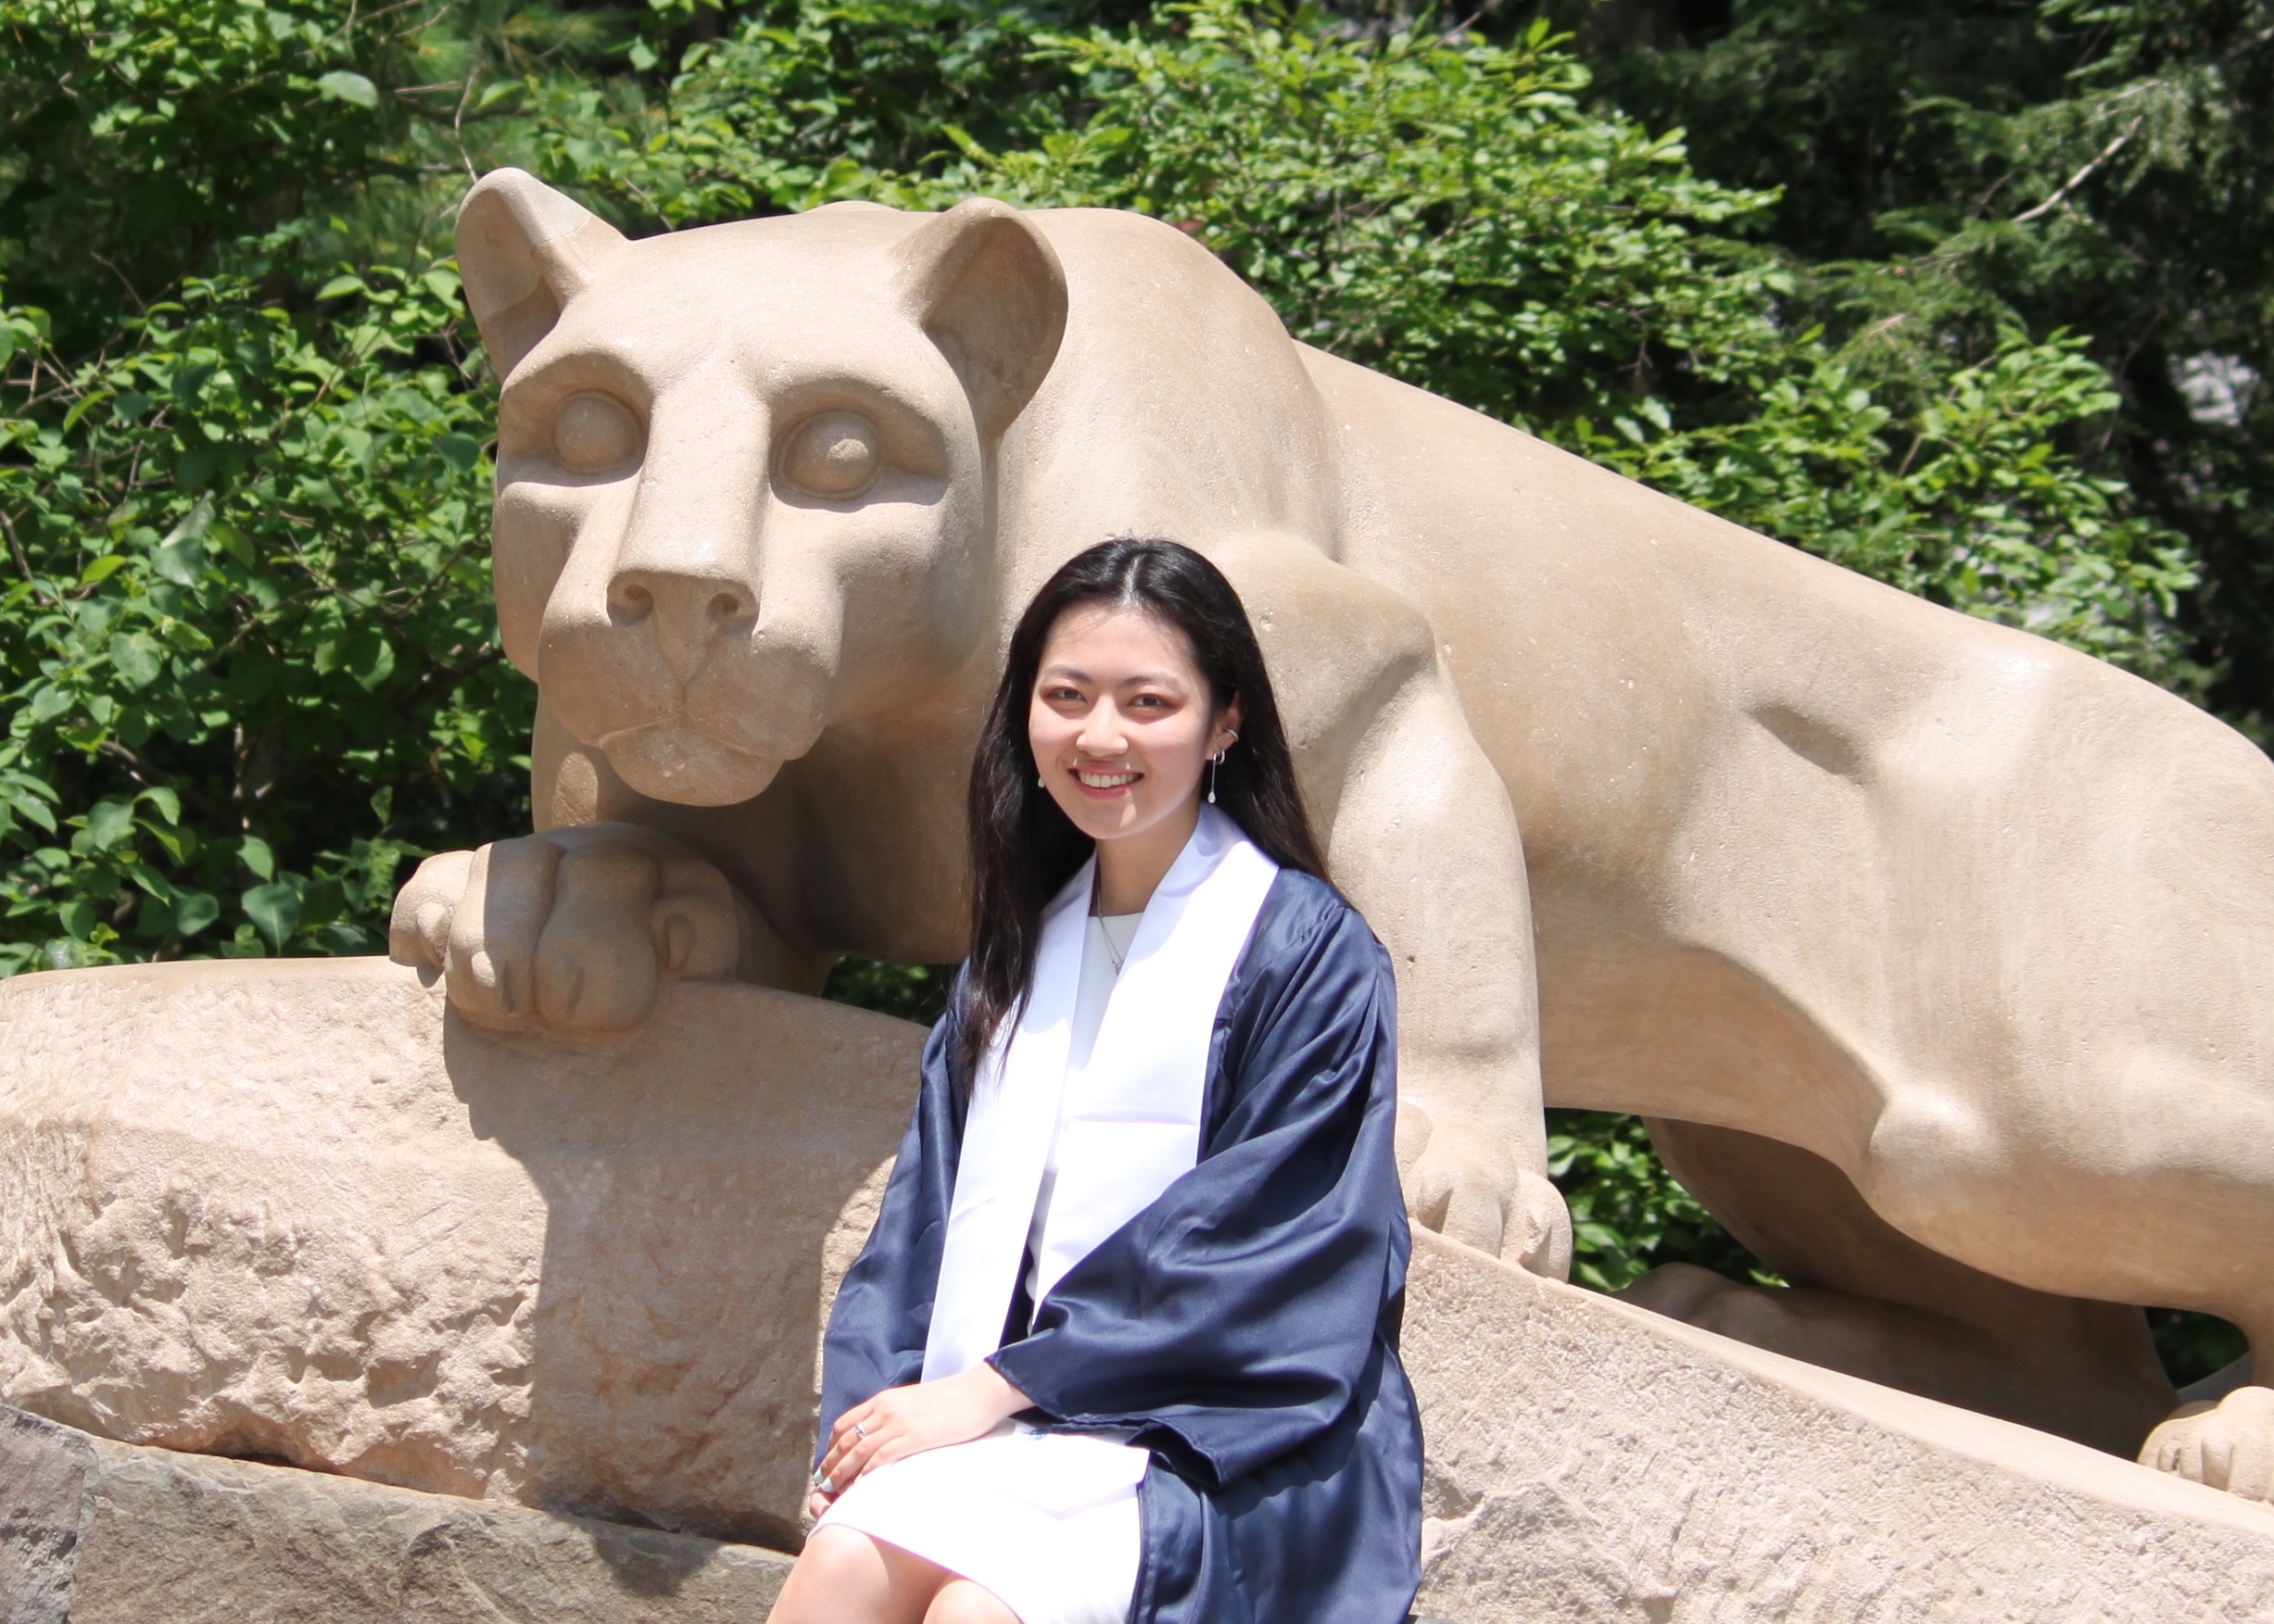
297 1211
95 1532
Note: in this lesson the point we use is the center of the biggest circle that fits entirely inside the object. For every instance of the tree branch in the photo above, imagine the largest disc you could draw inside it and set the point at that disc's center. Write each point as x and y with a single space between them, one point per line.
2082 175
23 563
149 775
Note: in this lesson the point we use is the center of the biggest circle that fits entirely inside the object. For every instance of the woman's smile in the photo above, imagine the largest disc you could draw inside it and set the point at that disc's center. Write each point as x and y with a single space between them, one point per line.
1104 784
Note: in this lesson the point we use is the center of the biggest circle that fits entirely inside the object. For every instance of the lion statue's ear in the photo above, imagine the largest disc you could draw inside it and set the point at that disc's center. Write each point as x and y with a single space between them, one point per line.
990 293
524 252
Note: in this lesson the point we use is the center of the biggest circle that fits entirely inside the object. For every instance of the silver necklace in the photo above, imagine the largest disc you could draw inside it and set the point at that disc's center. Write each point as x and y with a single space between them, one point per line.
1116 954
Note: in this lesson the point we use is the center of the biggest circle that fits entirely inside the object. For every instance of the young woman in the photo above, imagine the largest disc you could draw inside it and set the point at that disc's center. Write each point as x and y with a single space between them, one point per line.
1123 1344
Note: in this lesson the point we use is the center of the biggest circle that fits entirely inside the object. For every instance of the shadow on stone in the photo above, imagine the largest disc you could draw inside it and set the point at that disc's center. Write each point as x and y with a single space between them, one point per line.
692 1188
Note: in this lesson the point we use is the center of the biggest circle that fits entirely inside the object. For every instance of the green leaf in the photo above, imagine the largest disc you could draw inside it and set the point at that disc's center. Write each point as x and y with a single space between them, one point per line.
460 450
236 545
274 910
196 466
344 939
103 569
192 910
254 853
32 812
155 918
109 822
339 286
368 658
323 902
167 804
180 557
353 88
137 659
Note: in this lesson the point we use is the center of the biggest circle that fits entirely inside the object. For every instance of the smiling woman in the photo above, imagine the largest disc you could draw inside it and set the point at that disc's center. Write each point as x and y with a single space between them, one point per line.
1123 1341
1121 725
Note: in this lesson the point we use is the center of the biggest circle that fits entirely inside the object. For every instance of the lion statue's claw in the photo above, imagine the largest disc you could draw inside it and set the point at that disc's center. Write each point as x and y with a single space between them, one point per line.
1465 1185
2227 1445
574 929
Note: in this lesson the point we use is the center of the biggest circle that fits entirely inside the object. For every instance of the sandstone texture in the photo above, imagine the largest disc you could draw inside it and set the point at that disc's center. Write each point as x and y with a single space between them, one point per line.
95 1532
1592 1463
299 1212
295 1211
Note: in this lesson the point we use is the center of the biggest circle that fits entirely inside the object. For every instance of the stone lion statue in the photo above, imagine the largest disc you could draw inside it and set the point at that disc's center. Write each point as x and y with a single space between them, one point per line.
1939 955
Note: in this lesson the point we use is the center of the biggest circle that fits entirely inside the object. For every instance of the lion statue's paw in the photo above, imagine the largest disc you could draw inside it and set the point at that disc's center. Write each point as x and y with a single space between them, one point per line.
2227 1445
573 929
1465 1185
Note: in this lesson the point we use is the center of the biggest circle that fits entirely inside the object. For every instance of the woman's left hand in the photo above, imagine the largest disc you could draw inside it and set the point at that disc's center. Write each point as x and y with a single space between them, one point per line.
901 1421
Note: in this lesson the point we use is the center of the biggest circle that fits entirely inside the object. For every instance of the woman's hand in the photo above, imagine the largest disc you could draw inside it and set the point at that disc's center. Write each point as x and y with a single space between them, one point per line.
901 1421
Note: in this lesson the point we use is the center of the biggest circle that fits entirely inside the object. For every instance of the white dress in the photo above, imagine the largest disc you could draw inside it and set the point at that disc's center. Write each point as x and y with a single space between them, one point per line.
1046 1521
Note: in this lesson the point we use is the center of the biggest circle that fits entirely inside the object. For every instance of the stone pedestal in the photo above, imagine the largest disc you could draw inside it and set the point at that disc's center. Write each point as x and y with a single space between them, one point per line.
295 1211
95 1532
1591 1463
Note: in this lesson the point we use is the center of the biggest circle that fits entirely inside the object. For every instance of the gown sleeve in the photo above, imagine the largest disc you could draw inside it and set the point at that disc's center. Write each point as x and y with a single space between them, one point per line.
1234 1319
882 1315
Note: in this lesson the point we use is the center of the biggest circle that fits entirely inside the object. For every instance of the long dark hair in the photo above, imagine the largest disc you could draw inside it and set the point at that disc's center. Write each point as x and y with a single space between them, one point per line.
1024 848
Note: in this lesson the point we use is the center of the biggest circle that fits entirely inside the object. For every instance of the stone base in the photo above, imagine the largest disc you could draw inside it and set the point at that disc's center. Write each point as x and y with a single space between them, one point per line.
95 1532
295 1211
1592 1463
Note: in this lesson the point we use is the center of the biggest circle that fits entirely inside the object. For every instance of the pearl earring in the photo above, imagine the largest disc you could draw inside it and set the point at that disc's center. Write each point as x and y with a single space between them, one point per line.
1217 760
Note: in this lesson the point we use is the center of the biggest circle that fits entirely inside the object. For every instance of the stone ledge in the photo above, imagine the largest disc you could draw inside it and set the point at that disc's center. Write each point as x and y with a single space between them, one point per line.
292 1210
1592 1463
97 1532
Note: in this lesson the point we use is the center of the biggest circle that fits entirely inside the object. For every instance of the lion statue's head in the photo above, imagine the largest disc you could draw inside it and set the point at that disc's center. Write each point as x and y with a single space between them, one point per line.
744 472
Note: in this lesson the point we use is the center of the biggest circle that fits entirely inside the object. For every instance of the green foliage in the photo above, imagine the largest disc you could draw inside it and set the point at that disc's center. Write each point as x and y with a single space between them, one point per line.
912 993
1628 1214
247 616
802 104
2194 1345
1955 172
1448 210
139 133
1438 208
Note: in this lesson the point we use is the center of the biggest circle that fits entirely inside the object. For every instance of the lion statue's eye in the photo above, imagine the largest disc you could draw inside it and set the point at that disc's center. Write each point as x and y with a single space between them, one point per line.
831 455
595 433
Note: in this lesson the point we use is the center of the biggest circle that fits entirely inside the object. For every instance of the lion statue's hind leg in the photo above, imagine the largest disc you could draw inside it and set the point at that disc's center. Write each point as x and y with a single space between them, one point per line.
1867 1300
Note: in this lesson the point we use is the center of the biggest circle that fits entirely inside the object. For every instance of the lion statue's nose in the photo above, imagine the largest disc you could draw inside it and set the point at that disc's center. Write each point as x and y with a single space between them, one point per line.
683 602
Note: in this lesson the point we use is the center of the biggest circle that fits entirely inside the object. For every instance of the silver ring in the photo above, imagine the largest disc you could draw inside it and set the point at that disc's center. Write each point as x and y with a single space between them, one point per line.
859 1431
822 1484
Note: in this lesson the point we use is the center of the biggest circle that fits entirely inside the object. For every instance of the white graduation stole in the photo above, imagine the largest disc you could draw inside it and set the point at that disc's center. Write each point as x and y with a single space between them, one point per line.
1131 1115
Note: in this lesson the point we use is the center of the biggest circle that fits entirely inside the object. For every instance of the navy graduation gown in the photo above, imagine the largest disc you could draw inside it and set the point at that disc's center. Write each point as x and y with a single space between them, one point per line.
1246 1323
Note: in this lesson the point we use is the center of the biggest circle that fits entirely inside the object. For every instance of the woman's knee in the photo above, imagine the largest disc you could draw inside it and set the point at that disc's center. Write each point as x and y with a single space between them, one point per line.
843 1556
840 1575
961 1602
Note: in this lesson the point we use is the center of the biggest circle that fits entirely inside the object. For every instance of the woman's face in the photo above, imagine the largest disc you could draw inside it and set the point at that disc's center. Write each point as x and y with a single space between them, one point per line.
1121 721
